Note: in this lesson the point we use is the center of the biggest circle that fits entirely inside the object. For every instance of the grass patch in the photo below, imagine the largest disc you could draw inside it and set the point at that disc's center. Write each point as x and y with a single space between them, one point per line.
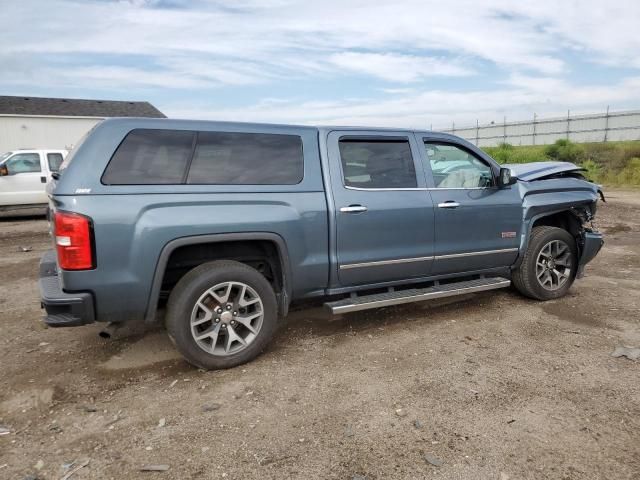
611 163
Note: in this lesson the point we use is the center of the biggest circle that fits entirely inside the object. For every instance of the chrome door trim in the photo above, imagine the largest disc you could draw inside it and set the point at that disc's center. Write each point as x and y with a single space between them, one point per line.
462 188
419 189
407 189
384 262
424 259
471 254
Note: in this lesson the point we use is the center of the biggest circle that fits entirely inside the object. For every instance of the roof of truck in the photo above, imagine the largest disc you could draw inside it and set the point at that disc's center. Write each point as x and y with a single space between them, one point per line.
211 124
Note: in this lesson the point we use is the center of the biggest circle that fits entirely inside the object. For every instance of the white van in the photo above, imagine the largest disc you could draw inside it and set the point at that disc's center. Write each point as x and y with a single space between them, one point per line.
24 175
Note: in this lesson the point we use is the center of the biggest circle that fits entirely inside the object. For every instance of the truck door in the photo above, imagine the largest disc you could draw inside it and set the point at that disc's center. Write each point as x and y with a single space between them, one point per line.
477 224
24 180
383 212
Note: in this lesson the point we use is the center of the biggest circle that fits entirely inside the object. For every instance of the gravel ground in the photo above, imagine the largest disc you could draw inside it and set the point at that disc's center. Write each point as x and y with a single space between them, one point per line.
489 386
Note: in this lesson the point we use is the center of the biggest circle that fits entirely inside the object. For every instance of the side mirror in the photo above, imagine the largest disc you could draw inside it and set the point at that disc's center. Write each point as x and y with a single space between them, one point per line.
4 171
506 178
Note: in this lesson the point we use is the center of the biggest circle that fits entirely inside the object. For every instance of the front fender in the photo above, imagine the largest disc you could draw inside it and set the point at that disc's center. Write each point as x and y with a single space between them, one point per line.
544 198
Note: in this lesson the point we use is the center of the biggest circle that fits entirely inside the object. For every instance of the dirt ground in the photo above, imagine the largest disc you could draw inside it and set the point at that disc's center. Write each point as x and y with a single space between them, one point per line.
492 386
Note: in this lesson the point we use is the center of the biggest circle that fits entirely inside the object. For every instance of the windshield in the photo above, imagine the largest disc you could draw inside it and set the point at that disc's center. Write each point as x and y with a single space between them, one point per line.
4 156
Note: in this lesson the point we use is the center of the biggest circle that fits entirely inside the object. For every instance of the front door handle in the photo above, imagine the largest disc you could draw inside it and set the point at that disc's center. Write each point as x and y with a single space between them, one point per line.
448 204
353 209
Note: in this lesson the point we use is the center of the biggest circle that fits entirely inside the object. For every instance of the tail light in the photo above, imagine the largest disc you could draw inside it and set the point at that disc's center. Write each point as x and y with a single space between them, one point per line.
73 241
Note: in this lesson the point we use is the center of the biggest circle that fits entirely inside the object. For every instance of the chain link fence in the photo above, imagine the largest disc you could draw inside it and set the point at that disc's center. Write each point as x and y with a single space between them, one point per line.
600 127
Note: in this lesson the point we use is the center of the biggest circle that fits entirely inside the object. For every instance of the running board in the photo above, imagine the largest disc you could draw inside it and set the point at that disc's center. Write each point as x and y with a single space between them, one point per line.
365 302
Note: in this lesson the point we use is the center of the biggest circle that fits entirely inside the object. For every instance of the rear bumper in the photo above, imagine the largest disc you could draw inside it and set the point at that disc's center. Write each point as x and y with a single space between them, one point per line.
63 309
593 242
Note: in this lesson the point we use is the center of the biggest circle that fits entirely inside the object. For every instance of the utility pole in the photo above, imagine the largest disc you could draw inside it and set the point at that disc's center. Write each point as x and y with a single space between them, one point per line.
534 128
568 123
477 132
504 129
606 124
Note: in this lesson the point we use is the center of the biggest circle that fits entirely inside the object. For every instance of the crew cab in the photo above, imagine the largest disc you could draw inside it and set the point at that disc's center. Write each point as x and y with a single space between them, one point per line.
226 224
24 175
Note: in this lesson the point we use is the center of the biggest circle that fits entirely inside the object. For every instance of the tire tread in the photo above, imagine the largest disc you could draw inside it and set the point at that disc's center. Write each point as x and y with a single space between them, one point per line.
177 310
523 277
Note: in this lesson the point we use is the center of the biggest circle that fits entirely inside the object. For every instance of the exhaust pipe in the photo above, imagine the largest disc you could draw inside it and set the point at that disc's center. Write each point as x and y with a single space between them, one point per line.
108 331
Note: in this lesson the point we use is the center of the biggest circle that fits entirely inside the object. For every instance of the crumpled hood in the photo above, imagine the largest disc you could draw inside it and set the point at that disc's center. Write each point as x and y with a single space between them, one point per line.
540 170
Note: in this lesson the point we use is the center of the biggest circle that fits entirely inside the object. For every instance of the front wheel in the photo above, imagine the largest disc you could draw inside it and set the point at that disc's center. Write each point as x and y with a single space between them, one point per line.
549 266
221 314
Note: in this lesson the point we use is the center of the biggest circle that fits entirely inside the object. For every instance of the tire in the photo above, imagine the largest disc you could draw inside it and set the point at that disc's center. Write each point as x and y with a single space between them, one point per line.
193 311
529 277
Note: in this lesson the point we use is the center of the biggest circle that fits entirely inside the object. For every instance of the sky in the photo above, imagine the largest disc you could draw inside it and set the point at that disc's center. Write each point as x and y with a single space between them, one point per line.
406 63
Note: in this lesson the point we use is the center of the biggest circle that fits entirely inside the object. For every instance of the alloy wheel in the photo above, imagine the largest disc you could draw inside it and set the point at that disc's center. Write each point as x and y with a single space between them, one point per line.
227 318
553 265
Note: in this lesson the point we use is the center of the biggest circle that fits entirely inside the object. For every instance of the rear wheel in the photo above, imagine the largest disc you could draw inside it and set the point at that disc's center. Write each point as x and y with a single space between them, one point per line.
549 266
221 314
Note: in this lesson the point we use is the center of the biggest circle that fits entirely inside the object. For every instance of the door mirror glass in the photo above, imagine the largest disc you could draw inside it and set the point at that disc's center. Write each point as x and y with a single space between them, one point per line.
506 177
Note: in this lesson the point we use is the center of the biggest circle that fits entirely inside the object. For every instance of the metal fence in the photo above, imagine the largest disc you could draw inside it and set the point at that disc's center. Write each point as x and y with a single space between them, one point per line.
599 127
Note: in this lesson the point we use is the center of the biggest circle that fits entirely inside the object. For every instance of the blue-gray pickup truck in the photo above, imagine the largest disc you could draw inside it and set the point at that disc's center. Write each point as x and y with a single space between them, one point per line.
225 224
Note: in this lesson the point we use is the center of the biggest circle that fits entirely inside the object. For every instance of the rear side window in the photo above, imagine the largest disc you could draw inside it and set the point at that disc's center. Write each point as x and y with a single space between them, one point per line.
223 158
377 163
54 160
150 157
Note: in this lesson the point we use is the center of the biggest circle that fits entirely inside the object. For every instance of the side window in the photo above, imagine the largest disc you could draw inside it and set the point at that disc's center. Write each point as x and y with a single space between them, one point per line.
227 158
23 163
150 157
384 163
55 160
454 167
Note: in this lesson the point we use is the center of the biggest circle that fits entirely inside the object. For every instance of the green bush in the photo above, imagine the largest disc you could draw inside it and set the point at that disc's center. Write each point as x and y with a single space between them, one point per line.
630 174
507 153
565 151
611 163
593 170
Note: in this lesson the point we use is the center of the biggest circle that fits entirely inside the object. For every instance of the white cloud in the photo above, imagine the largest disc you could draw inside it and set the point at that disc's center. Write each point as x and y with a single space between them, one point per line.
513 35
200 45
437 108
397 68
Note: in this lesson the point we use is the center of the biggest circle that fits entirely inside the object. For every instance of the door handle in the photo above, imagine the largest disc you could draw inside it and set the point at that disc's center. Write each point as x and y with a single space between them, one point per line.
448 204
353 209
43 179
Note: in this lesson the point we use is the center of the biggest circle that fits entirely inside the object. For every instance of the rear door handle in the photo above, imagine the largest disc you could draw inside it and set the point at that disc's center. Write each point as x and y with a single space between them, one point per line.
448 204
43 179
353 209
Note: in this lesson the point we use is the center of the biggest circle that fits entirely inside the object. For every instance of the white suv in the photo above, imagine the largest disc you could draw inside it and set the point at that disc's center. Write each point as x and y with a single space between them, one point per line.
24 175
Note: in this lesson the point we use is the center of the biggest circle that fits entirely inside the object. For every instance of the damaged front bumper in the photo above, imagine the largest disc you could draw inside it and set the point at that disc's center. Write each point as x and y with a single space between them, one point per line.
591 244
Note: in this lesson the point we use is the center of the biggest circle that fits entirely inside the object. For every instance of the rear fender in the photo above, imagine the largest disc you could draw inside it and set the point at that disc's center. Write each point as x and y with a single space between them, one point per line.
283 299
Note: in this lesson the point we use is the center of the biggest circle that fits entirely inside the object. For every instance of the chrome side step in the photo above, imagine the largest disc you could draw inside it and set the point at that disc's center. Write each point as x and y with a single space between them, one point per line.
386 299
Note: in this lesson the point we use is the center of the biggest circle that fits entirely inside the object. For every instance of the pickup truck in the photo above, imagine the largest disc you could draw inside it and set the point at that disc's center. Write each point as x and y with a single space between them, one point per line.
224 225
24 175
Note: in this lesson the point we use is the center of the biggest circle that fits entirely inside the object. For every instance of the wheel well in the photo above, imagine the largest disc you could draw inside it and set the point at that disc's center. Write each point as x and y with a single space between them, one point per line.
566 220
263 255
